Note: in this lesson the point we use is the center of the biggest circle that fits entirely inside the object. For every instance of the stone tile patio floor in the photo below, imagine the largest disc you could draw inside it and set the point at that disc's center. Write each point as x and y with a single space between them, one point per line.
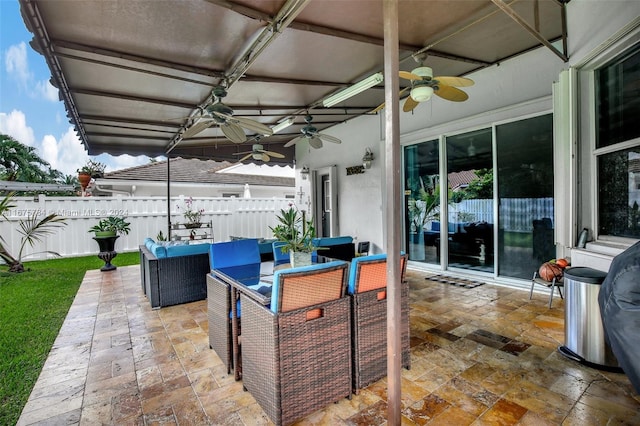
481 356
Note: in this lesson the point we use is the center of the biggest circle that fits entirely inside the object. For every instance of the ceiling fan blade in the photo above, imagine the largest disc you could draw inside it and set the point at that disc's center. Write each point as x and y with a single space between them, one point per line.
253 125
378 108
233 132
265 157
293 141
451 93
247 123
315 142
242 153
409 104
199 126
381 106
328 138
455 81
273 154
409 75
249 155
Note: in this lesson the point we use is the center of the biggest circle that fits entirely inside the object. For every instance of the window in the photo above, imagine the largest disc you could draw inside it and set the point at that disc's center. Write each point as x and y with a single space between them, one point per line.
617 90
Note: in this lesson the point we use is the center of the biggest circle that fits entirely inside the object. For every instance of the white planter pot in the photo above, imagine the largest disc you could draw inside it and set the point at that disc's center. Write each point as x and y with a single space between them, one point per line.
299 258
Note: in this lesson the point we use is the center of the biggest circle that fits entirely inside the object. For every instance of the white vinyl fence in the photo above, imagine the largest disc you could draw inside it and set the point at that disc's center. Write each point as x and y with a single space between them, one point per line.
517 214
243 217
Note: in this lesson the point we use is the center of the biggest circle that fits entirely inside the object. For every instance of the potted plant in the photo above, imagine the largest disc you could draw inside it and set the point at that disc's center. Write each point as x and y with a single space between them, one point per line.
297 233
107 231
192 216
92 169
422 209
110 227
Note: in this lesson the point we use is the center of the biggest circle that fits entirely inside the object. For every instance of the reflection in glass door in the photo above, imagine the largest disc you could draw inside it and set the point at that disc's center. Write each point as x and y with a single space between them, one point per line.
470 241
422 201
525 195
465 229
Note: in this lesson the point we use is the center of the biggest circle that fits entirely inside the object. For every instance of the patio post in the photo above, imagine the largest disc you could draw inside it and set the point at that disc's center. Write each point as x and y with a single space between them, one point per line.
392 202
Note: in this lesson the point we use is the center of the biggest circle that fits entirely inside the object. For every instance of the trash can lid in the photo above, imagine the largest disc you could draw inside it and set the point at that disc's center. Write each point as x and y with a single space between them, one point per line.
585 275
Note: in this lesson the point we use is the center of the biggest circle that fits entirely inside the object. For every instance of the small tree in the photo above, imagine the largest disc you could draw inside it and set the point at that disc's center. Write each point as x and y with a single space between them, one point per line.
32 231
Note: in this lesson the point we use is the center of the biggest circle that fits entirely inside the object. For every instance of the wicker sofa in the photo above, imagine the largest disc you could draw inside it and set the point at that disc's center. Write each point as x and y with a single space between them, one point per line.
171 275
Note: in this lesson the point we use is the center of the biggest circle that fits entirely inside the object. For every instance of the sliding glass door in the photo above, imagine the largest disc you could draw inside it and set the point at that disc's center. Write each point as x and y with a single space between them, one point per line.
525 195
422 201
470 201
516 181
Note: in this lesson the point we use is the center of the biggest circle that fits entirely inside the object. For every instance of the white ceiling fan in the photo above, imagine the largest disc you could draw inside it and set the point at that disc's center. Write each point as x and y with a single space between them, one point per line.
220 114
259 153
424 85
311 134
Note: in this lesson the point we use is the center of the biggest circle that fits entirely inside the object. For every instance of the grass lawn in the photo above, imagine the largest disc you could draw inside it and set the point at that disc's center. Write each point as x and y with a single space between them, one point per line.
33 306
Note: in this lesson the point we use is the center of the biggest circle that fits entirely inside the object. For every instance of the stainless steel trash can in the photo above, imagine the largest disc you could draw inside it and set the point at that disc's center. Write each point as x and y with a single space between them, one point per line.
583 331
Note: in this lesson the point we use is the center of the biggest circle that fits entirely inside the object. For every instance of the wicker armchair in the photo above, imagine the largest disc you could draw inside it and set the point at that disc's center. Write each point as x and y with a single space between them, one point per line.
238 259
367 287
296 353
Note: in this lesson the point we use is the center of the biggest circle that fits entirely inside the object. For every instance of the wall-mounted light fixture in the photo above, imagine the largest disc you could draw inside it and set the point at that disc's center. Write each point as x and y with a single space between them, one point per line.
350 91
367 159
304 173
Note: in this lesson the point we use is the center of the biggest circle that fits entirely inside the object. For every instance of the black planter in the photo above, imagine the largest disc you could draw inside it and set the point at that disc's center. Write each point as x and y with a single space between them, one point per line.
107 251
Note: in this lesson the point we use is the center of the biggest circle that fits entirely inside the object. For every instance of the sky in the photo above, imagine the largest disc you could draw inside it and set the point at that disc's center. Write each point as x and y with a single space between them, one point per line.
30 111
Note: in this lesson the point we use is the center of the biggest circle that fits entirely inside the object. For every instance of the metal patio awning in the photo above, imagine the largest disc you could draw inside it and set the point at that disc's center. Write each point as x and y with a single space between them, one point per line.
135 74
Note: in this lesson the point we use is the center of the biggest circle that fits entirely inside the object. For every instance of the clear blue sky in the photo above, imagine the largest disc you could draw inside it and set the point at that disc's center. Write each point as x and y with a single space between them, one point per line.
30 110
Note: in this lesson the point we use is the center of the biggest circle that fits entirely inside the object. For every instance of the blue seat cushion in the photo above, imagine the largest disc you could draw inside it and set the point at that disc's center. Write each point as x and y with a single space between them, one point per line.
158 250
186 249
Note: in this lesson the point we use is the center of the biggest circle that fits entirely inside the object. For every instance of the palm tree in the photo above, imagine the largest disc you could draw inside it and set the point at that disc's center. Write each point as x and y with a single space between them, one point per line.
32 231
19 162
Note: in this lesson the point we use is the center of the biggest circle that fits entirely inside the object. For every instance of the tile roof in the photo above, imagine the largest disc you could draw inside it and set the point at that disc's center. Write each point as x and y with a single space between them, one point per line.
461 179
195 171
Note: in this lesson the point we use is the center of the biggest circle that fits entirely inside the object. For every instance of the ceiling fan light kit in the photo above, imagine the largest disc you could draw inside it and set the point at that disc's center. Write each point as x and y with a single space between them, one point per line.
353 90
422 93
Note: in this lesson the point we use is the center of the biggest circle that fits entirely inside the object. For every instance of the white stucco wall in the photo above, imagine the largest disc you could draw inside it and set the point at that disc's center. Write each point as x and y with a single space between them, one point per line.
516 88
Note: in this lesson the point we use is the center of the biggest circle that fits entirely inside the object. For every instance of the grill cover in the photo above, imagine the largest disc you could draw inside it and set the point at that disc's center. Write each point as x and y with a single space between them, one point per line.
619 301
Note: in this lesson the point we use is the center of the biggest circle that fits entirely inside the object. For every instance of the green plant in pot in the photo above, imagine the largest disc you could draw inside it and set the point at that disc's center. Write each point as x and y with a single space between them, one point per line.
110 227
107 231
297 233
92 168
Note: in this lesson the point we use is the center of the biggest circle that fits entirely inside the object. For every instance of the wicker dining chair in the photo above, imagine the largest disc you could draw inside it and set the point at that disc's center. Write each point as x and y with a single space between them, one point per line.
368 290
238 259
296 353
